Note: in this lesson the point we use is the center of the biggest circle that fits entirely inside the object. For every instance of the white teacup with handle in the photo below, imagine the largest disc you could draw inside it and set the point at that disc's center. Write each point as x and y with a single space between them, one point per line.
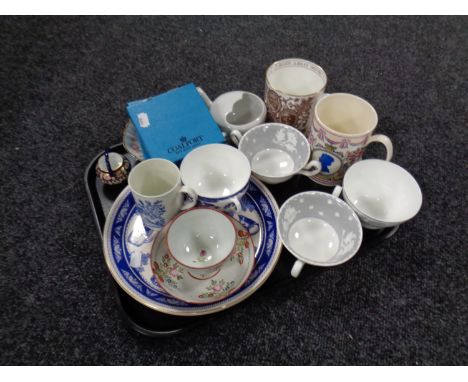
236 110
276 152
319 229
219 174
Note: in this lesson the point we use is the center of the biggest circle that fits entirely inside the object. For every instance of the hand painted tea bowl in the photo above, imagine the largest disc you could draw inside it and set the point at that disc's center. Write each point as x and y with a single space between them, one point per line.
236 110
218 173
319 229
276 152
201 239
381 193
112 168
181 284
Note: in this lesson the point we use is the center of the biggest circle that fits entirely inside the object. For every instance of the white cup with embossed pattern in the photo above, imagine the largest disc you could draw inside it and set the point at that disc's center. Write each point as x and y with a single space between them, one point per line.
276 152
319 229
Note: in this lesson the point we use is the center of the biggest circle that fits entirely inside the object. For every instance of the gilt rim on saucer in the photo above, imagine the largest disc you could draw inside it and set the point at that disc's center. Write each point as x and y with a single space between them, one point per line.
269 245
241 284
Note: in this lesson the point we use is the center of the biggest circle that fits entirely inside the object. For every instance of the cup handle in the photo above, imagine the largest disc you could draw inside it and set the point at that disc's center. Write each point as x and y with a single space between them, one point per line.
297 268
312 163
236 203
192 196
385 141
236 136
205 97
337 191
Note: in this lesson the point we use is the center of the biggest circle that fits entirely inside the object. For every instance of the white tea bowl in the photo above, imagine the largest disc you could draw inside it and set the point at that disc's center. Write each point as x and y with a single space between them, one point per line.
236 110
319 229
276 152
218 173
382 193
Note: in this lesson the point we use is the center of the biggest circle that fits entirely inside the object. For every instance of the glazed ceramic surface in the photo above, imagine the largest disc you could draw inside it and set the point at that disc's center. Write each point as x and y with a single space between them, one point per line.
319 229
292 86
340 128
127 247
218 173
130 141
201 238
112 168
236 110
382 193
276 152
158 191
180 282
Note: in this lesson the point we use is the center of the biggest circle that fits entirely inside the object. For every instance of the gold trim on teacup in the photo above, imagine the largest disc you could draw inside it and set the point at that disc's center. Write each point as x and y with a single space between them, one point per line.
310 63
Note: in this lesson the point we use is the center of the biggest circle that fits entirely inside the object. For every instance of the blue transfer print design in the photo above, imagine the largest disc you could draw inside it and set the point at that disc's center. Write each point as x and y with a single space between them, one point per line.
326 160
152 213
248 223
120 255
145 258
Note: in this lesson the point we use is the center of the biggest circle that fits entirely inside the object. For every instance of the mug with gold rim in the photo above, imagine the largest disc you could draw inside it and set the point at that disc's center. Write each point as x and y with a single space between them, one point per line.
292 86
340 127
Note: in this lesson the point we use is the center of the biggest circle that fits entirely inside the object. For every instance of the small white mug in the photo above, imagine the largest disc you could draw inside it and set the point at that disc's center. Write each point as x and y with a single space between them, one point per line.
158 192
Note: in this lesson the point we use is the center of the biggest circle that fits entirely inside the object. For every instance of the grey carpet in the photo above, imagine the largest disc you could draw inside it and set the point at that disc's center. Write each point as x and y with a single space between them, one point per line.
64 85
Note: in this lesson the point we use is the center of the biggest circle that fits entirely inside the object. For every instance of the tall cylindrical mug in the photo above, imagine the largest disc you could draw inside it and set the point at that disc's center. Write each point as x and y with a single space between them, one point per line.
158 192
292 86
340 127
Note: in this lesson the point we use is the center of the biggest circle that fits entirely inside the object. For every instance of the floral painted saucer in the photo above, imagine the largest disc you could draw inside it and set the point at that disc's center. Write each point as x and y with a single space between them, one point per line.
127 252
130 141
177 280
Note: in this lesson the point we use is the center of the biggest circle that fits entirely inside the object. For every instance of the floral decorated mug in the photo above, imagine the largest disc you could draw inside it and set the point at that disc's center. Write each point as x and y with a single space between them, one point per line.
292 87
158 192
340 128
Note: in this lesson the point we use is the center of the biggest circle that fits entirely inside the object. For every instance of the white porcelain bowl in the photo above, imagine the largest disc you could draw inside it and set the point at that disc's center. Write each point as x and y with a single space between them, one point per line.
319 229
382 193
276 152
237 109
201 238
218 173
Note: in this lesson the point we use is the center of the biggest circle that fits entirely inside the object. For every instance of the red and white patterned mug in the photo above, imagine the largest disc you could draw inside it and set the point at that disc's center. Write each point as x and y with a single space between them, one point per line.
292 86
340 128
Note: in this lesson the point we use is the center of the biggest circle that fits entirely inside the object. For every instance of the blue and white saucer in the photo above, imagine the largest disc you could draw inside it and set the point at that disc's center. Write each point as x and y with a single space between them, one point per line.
127 251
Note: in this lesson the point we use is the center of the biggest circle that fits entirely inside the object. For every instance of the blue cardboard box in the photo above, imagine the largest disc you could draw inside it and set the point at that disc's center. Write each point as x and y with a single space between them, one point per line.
172 124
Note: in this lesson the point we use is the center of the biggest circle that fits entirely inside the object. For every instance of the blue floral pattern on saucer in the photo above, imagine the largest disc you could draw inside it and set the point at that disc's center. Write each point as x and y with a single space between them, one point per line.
124 221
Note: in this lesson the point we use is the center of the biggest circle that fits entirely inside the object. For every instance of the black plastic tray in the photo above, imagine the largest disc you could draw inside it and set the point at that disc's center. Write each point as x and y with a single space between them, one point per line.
155 324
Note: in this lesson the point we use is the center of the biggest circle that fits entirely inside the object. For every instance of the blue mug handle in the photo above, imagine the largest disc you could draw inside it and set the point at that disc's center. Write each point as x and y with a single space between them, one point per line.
249 224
